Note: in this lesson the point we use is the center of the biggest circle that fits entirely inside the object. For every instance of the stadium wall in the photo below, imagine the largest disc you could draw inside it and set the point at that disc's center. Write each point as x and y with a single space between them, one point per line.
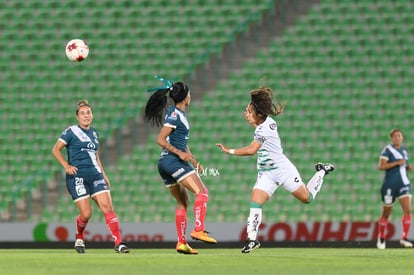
160 235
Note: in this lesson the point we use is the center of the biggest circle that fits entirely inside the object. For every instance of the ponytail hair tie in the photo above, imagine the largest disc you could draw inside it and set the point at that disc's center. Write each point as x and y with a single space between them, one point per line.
168 85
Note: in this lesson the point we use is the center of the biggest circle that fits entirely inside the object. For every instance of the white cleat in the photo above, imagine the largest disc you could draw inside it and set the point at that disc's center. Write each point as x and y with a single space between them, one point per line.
380 243
406 243
80 246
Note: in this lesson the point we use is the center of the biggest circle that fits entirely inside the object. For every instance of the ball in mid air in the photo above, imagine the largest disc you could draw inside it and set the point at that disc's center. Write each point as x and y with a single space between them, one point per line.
77 50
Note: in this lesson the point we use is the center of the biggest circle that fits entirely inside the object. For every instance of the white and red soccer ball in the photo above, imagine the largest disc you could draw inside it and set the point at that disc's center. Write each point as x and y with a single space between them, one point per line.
77 50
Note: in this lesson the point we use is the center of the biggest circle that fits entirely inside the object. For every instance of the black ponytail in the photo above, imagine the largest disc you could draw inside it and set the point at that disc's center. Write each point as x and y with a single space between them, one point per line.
155 108
157 103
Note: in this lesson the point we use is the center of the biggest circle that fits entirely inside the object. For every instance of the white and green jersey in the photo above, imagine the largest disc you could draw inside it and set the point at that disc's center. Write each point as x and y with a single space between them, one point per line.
270 155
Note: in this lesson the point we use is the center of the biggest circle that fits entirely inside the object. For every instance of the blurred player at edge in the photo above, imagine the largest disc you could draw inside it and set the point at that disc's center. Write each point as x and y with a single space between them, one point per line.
274 168
394 161
177 174
85 176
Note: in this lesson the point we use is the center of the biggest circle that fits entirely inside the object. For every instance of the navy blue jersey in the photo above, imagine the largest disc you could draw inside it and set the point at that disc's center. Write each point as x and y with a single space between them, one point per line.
82 146
176 119
397 174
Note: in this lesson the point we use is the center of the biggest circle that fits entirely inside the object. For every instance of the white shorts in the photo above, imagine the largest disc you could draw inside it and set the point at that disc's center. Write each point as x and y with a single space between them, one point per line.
286 175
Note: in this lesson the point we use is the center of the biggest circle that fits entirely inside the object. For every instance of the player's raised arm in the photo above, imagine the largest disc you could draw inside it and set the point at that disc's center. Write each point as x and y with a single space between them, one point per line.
249 150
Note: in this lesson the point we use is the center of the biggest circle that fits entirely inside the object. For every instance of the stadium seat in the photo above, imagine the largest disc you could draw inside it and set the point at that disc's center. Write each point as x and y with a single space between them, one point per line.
338 82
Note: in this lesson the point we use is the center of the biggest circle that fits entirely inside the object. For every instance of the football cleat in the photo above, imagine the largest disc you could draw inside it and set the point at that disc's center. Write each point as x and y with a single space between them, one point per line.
121 248
327 167
80 246
185 248
249 245
406 243
202 236
381 243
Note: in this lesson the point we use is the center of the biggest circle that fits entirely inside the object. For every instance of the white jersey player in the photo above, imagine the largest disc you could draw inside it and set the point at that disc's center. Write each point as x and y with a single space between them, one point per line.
274 168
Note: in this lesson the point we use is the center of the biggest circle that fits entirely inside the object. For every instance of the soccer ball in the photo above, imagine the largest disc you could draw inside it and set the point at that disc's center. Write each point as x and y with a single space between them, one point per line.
77 50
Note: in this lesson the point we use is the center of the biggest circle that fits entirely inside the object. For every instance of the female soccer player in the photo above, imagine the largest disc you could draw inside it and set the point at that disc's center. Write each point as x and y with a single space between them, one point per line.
177 174
85 176
394 161
274 168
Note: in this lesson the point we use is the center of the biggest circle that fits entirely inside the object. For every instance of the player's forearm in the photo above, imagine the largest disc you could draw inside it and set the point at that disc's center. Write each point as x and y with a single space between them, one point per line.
167 146
244 151
389 165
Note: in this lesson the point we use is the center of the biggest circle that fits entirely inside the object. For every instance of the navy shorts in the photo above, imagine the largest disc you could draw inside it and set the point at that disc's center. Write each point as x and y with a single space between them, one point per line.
173 170
392 191
81 186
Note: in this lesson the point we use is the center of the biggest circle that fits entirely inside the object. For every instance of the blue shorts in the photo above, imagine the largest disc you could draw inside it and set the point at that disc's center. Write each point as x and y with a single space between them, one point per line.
173 170
390 191
82 186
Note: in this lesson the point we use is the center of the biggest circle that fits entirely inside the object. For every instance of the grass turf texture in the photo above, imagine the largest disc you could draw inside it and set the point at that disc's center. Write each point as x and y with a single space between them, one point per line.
209 261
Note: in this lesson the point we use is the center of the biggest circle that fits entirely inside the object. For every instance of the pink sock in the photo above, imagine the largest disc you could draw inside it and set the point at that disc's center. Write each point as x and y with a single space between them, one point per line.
382 226
181 224
113 225
200 210
80 227
406 223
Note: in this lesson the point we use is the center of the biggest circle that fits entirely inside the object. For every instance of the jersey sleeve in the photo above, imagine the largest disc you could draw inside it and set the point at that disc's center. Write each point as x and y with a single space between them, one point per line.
66 136
171 119
385 154
259 135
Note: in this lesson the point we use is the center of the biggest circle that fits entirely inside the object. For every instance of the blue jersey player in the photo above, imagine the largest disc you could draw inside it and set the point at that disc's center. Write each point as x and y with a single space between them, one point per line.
85 176
173 165
394 161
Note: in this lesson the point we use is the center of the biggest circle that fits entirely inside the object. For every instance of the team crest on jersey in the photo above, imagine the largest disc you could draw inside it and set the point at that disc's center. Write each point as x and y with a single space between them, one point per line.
405 153
272 126
95 135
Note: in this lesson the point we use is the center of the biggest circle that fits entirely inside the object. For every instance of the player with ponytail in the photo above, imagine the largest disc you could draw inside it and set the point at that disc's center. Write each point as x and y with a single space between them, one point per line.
173 164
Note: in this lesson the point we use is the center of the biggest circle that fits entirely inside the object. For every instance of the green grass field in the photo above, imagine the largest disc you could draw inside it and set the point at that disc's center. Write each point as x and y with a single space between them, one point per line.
315 261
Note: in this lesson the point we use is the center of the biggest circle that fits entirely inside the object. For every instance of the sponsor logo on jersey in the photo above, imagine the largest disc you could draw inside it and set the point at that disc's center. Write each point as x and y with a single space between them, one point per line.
91 145
99 182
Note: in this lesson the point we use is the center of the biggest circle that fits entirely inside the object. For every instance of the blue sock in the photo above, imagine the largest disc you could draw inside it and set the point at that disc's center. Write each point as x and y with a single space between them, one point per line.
310 197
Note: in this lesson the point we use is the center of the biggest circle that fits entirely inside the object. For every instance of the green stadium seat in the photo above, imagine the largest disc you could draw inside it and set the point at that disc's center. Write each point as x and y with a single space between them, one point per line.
327 65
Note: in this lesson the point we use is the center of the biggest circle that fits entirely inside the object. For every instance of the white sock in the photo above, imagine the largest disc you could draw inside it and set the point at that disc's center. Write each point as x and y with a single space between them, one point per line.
253 222
315 183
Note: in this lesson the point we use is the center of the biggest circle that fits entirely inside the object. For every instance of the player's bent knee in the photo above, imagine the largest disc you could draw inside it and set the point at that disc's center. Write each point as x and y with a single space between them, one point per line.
202 196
